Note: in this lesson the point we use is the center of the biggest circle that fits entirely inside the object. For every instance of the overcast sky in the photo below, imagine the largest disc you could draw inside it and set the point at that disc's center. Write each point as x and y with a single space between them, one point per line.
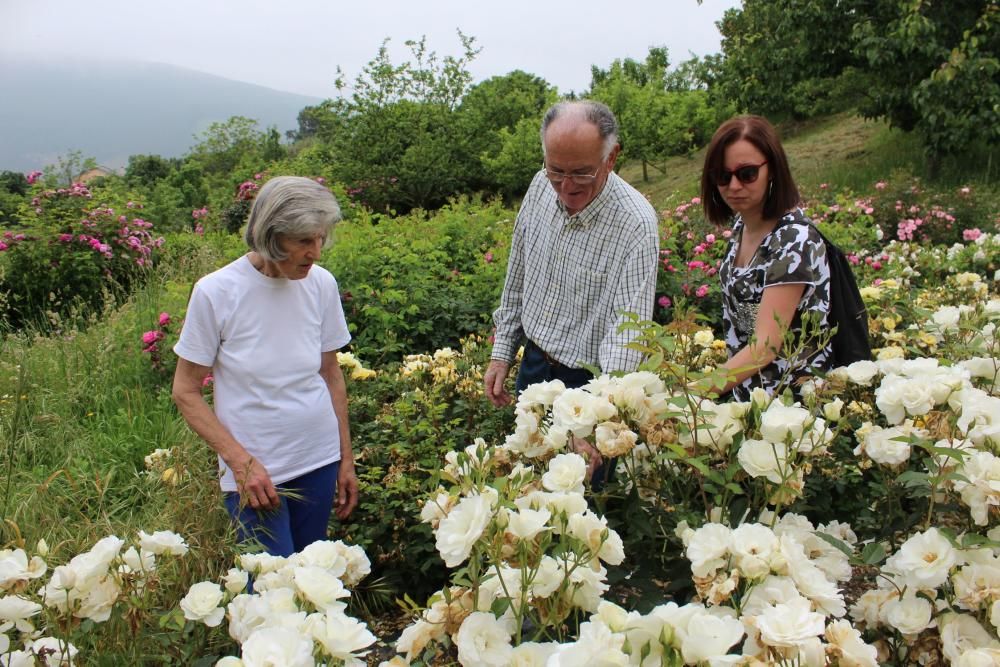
296 45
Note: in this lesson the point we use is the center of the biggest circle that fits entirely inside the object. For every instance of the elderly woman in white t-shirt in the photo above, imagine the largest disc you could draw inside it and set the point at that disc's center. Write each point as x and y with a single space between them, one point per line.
268 327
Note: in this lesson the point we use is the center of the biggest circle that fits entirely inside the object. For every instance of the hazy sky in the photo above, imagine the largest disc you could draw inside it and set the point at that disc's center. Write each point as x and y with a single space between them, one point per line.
296 45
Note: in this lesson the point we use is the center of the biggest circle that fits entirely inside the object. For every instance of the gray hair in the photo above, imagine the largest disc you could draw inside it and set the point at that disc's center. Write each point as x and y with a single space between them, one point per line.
595 113
290 207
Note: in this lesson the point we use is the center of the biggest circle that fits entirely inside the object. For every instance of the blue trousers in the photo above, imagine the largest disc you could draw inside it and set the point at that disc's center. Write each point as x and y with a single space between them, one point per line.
298 521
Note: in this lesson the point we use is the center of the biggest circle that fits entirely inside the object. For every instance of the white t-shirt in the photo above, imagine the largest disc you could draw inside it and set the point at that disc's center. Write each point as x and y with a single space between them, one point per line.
263 338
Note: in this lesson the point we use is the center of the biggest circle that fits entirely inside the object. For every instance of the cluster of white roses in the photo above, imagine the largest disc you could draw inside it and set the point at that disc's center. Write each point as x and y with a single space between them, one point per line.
295 615
929 583
529 543
87 587
779 586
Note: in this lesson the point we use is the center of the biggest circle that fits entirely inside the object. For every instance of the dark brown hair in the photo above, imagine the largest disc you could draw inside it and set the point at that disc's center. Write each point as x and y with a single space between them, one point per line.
783 195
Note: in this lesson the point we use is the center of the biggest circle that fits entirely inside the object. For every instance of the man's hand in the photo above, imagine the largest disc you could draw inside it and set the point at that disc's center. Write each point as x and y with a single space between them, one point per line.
347 491
493 383
255 486
589 454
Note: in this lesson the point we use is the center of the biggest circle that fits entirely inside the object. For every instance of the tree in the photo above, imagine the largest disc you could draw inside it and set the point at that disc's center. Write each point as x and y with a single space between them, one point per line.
69 168
146 170
225 144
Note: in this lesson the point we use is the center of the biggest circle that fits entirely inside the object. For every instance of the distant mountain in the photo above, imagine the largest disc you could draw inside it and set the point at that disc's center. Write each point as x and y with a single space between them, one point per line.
110 111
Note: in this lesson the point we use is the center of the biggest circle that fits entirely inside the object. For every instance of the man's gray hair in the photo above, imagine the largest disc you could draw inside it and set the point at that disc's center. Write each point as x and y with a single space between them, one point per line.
291 207
595 113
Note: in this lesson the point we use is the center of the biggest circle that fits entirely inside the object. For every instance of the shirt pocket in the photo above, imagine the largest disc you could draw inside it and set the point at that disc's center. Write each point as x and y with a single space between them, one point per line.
588 288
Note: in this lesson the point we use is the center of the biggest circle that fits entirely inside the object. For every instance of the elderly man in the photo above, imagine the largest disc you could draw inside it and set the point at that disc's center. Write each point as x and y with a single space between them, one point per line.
584 252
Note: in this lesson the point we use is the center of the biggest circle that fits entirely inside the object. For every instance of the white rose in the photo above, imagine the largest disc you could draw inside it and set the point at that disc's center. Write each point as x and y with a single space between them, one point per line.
790 624
887 446
862 372
588 586
982 490
229 661
753 546
202 604
760 458
17 610
898 397
853 650
269 646
595 645
910 614
540 393
614 439
565 474
15 567
525 524
53 652
532 654
781 423
833 410
485 640
979 657
341 636
708 548
320 587
602 541
710 636
163 542
982 367
578 411
924 560
459 531
960 633
437 508
235 580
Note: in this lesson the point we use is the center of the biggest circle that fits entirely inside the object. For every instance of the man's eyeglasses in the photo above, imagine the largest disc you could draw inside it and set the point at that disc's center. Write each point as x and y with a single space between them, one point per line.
579 179
746 174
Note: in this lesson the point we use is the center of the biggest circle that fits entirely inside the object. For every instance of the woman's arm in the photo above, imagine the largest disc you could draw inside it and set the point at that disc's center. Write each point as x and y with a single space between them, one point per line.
347 482
252 480
777 309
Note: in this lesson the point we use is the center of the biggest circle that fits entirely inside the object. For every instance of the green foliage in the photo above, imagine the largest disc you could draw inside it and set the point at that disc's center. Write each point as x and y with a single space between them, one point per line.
68 169
415 284
517 159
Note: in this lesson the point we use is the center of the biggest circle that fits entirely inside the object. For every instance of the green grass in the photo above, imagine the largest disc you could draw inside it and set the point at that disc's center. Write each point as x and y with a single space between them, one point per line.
844 151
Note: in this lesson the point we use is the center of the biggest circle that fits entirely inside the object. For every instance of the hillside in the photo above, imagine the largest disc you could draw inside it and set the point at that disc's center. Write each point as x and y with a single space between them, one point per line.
110 111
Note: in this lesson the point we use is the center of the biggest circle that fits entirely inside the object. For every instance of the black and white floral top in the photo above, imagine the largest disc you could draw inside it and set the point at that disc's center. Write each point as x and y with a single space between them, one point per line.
793 252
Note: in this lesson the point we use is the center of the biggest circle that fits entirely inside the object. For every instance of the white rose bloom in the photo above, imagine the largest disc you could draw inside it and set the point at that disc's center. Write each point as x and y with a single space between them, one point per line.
593 531
918 367
596 646
887 446
924 560
852 651
52 652
17 611
759 397
809 579
235 580
261 563
136 562
761 458
898 397
547 578
982 490
769 591
909 614
784 423
614 439
724 421
589 587
561 505
459 531
862 372
163 542
753 546
532 654
269 646
790 624
229 661
485 640
319 587
816 439
202 604
961 633
15 567
566 473
709 548
868 608
982 367
979 657
540 393
342 637
248 613
710 636
578 411
437 508
833 410
525 524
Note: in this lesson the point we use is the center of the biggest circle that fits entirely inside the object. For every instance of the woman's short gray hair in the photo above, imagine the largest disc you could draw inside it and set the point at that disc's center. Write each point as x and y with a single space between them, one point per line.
292 207
596 113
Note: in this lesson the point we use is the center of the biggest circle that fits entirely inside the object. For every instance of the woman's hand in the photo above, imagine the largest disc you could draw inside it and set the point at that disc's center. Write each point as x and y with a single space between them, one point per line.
589 454
254 484
347 490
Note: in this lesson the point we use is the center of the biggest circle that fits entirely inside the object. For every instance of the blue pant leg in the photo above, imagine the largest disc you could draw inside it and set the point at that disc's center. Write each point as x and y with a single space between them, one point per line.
271 528
534 368
309 511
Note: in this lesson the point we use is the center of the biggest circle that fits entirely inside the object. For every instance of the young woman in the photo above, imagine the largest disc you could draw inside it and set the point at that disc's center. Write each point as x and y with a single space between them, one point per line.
775 270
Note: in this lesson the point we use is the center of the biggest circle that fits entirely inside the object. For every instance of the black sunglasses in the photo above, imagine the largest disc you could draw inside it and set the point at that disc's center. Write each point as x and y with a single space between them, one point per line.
746 174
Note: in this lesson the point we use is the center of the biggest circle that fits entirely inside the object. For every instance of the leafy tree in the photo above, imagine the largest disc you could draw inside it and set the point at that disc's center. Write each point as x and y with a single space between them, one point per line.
68 168
393 140
146 170
225 144
517 159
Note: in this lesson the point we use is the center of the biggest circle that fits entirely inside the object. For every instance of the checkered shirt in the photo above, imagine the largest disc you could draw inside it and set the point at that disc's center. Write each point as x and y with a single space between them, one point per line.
570 277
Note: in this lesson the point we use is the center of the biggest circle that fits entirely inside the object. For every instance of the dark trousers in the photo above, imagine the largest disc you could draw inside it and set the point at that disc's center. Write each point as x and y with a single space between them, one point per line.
536 366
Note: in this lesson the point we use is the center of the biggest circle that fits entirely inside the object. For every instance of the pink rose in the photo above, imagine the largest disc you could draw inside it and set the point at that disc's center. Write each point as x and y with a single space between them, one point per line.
701 292
164 319
151 337
664 301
